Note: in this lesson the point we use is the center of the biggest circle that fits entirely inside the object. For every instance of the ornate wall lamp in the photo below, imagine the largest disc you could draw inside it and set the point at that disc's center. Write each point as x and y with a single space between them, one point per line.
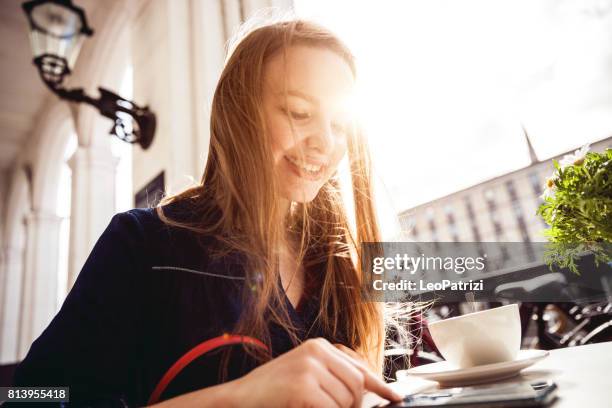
57 30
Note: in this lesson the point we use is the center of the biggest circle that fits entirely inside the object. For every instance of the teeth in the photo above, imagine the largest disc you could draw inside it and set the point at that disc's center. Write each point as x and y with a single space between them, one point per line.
305 166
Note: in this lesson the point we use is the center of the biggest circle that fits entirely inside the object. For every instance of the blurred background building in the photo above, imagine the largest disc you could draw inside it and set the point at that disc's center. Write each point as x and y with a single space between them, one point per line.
501 209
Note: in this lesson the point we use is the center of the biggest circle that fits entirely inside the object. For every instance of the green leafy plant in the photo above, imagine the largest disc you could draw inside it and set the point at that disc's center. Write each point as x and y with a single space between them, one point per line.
578 207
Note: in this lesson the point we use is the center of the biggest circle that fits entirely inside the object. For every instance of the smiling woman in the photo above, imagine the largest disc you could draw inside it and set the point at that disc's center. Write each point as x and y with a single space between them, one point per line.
261 250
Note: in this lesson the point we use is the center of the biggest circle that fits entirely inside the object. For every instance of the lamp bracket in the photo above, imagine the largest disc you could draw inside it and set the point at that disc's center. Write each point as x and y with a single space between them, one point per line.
53 69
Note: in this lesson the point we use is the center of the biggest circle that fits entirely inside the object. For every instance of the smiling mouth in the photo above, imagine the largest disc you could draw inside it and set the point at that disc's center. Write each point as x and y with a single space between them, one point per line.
306 170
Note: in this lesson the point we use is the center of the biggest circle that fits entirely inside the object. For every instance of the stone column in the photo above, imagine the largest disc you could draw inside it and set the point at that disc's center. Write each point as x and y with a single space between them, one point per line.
10 311
208 38
39 290
92 203
163 80
3 248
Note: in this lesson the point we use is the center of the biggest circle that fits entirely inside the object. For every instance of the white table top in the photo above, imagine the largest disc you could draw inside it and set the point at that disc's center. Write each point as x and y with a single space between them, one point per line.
583 375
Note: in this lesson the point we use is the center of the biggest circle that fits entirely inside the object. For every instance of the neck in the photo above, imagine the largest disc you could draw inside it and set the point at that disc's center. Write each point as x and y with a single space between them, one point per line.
285 242
284 206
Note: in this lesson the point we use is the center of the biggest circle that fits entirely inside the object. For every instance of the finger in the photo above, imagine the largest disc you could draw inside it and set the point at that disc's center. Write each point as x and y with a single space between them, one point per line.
352 353
371 381
349 375
322 399
345 372
334 387
375 384
344 348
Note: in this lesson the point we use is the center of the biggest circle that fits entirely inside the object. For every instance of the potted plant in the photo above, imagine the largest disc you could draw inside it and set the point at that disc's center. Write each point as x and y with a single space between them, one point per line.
578 207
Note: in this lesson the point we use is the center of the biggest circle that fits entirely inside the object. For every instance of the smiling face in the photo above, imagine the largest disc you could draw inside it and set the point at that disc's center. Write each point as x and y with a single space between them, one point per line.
319 84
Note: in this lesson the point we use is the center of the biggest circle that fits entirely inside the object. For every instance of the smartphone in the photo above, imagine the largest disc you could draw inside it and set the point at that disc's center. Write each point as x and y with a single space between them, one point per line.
522 394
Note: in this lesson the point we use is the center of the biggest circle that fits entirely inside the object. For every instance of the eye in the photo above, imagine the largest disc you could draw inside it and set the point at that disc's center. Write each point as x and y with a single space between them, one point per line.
296 115
300 115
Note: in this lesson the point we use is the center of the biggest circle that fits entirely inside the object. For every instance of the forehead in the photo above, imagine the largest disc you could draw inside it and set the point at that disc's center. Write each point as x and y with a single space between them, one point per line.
316 71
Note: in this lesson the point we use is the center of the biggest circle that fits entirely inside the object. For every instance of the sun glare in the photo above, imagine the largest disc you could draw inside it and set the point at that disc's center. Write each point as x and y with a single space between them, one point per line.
446 87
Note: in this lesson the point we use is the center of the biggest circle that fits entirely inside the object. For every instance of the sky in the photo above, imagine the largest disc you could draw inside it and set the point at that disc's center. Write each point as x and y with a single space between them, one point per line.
446 86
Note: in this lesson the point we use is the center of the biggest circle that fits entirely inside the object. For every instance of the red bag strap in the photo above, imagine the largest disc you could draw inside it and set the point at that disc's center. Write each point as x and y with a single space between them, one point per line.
197 351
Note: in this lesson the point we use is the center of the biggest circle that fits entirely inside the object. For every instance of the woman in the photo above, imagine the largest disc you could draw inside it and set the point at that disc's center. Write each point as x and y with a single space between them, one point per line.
262 248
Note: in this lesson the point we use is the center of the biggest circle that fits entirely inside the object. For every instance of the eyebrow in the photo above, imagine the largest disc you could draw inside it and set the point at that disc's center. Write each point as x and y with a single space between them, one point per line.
300 94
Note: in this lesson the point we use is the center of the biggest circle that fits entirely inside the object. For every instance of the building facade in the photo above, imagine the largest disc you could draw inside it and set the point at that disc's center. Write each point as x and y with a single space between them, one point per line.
502 209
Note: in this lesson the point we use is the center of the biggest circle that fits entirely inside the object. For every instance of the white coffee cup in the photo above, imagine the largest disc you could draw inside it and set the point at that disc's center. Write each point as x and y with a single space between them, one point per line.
485 337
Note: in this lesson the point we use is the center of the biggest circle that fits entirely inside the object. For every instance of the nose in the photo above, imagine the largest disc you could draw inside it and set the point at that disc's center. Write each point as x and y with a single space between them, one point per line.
323 138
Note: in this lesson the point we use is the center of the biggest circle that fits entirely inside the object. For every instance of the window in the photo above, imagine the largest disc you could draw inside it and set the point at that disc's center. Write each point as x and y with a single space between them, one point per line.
476 233
432 226
511 190
429 213
490 198
469 209
450 216
536 183
523 228
406 222
497 227
516 207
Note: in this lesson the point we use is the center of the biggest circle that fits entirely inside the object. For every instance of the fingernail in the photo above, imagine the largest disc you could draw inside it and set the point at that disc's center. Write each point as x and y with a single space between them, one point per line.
397 396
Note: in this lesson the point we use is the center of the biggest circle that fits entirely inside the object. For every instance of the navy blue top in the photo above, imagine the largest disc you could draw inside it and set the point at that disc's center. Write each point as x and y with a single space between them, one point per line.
145 297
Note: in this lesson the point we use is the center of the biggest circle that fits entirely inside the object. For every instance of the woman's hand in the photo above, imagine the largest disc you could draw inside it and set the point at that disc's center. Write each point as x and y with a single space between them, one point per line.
352 353
314 374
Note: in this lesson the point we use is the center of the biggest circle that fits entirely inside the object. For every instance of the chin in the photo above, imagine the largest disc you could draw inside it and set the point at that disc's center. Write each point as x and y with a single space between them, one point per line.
303 196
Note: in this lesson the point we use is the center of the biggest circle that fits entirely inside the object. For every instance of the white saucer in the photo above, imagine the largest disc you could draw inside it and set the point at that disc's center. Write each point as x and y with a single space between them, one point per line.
449 375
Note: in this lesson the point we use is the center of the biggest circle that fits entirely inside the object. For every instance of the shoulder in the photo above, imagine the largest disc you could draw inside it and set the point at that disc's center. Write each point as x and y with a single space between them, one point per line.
147 221
163 240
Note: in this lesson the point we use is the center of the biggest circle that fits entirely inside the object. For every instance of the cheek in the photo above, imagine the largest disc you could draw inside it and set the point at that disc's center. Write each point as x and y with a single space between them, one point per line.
338 155
280 137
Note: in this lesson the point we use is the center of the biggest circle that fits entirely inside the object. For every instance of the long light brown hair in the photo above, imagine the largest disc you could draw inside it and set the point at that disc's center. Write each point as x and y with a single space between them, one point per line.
238 199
